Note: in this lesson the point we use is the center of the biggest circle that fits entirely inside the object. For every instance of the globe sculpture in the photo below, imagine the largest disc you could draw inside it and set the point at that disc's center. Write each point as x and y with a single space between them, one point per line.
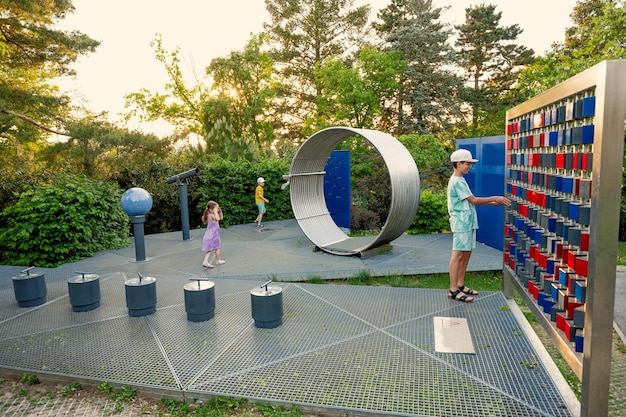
137 202
306 182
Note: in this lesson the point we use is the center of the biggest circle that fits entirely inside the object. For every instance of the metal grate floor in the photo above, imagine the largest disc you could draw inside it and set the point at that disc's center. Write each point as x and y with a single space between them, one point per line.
352 349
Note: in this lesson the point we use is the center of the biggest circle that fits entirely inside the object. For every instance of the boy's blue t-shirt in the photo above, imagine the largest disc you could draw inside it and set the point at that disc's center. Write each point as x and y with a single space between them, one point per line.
462 213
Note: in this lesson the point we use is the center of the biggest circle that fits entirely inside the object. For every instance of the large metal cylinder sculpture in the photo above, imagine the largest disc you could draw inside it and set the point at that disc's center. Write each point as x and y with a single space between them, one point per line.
306 182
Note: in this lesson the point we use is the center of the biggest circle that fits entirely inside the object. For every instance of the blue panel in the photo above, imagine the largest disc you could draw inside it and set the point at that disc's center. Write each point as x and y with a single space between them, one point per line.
580 289
555 291
568 185
486 178
492 184
579 342
577 135
560 114
548 303
588 134
493 154
558 186
574 210
578 109
552 224
554 138
589 106
337 187
470 145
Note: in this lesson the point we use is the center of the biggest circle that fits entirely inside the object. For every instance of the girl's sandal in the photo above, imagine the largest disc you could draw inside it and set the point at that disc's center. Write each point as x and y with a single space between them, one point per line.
468 290
459 296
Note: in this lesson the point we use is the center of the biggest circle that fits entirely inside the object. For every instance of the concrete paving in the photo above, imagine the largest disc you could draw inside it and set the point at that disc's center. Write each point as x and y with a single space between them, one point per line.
340 349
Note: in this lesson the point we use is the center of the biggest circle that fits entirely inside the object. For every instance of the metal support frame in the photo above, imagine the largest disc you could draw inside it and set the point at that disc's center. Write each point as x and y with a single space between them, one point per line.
140 242
608 80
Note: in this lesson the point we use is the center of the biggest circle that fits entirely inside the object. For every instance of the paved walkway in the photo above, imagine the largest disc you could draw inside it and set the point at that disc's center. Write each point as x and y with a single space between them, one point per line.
340 349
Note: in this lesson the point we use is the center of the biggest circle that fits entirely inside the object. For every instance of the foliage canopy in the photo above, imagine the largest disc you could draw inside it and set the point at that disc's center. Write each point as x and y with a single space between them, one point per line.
33 52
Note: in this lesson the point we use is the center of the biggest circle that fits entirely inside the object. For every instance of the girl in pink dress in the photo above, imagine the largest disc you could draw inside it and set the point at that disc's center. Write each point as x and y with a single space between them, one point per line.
211 241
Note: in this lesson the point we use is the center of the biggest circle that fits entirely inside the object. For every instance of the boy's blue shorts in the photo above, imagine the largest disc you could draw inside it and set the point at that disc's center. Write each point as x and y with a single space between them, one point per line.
464 241
261 207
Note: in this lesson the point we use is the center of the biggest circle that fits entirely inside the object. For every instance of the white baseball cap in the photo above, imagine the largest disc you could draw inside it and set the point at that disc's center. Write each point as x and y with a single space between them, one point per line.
462 155
260 180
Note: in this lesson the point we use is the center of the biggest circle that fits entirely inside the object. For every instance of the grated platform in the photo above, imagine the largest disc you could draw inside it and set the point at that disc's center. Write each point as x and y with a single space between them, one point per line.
346 348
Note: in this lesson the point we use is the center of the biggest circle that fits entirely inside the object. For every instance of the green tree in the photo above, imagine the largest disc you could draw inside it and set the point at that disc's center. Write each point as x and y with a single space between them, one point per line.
597 35
490 60
236 121
428 100
585 11
303 34
99 149
33 52
431 157
354 94
180 105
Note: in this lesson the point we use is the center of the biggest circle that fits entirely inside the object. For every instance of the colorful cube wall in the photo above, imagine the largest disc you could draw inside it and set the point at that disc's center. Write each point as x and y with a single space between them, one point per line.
549 153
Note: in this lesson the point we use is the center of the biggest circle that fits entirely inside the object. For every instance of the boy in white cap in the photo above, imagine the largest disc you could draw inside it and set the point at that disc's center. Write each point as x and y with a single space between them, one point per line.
464 222
260 200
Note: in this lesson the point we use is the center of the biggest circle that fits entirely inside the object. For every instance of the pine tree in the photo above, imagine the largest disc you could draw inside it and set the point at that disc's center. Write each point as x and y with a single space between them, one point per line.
303 34
489 58
32 53
428 100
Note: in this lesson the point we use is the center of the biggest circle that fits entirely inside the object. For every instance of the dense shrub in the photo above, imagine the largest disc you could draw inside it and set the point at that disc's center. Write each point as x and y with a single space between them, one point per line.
432 215
229 182
165 214
71 218
62 222
14 182
232 185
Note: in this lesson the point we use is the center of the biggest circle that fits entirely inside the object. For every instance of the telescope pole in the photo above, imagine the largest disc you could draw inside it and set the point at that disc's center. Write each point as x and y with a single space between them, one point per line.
184 209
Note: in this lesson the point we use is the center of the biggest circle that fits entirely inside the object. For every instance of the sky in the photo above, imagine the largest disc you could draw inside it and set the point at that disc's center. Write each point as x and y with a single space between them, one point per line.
206 29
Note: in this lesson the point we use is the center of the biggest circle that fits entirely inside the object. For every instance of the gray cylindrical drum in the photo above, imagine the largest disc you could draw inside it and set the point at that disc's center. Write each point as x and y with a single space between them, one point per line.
200 300
30 289
84 291
267 306
141 296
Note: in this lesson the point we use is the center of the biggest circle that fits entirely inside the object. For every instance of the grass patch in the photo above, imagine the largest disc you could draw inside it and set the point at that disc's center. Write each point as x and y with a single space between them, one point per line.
480 281
621 253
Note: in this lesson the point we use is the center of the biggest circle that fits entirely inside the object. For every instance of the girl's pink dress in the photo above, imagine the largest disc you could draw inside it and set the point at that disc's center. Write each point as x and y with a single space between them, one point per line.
211 240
